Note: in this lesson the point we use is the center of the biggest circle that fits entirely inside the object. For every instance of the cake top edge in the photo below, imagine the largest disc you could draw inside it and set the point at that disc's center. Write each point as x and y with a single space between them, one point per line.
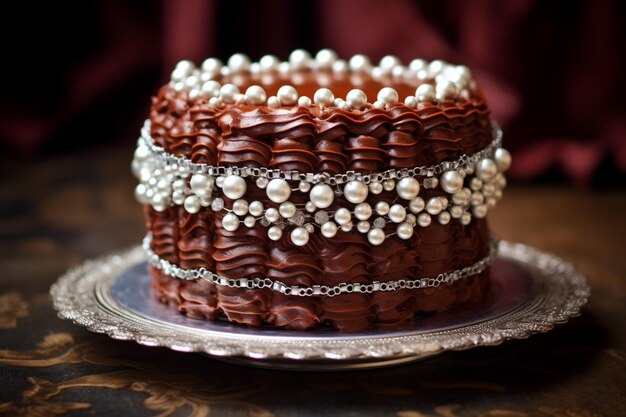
321 81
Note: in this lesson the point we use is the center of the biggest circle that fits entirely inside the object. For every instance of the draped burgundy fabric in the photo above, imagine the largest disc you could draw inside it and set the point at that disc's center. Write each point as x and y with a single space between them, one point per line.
552 71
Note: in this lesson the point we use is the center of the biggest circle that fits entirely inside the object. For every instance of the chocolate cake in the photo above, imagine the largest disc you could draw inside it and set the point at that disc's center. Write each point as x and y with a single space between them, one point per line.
319 191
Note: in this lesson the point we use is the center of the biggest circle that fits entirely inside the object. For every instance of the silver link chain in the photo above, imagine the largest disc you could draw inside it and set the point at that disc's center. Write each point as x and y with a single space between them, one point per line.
317 290
464 161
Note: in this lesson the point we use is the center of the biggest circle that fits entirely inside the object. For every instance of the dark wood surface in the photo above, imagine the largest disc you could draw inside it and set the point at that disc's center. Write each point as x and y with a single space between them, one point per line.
60 211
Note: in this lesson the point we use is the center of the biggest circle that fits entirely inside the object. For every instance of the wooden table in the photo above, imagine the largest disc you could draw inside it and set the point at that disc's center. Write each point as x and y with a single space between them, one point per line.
59 211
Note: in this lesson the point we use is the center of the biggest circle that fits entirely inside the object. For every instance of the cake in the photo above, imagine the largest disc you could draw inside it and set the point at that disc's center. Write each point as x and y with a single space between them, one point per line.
319 192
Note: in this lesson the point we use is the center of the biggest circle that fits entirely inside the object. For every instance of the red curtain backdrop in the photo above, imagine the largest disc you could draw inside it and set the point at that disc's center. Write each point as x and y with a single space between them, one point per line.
552 71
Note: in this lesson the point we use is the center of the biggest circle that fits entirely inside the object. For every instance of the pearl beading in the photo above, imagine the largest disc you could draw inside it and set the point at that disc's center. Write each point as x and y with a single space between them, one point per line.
439 80
449 278
163 183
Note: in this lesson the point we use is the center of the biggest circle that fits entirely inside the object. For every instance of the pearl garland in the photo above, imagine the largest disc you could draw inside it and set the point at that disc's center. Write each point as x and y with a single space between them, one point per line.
467 196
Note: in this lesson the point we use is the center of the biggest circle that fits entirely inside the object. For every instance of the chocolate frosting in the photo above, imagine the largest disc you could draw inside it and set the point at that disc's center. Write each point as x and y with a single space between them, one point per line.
311 140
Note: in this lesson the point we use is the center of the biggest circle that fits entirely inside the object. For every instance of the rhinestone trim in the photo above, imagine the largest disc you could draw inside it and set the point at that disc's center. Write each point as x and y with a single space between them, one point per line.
175 271
187 167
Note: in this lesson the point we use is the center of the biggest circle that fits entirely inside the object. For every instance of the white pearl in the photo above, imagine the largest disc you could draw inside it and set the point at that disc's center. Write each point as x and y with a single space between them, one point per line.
240 99
356 99
347 227
255 208
304 186
287 209
182 70
340 67
404 231
323 97
329 229
309 206
262 182
240 207
269 63
249 221
304 101
466 219
443 217
230 222
408 188
194 94
239 63
382 208
378 104
375 187
491 202
192 81
476 184
424 219
287 95
451 181
234 187
363 211
417 205
204 201
140 194
273 102
388 95
479 211
199 184
460 197
363 226
228 93
325 58
274 233
300 236
388 62
359 63
255 95
376 236
397 213
486 169
445 90
477 198
211 88
278 190
418 64
299 59
322 195
456 212
425 92
271 214
503 159
215 102
343 216
434 206
192 204
411 102
212 66
355 191
389 185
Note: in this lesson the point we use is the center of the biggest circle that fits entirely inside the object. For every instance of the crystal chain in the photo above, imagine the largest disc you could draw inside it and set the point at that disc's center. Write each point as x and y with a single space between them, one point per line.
190 167
316 290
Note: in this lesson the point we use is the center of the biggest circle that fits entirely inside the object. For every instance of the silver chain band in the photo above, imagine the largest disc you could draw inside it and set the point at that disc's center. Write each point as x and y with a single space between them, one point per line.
463 162
316 290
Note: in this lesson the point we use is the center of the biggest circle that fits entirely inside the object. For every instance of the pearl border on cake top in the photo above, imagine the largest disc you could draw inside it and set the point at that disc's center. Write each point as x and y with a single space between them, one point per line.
440 80
162 186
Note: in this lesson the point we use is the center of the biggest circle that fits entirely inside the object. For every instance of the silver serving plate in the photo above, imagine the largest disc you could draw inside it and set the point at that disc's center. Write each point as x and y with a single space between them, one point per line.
531 292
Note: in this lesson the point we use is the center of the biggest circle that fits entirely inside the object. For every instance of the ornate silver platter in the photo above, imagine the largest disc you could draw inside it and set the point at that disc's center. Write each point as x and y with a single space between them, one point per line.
531 292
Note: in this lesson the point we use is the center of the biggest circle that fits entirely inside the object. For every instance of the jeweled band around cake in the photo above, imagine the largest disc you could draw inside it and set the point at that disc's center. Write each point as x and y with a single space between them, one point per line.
288 205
